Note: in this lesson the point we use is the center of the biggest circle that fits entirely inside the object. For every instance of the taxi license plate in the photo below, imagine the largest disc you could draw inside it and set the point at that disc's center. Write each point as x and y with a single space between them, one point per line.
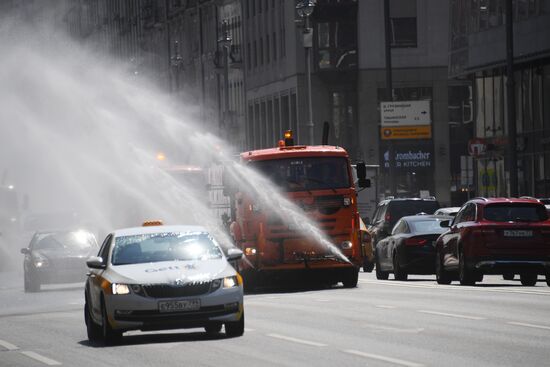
518 233
178 306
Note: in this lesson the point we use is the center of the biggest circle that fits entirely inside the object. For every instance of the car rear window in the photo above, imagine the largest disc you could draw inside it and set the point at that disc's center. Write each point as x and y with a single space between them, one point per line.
400 209
427 226
515 213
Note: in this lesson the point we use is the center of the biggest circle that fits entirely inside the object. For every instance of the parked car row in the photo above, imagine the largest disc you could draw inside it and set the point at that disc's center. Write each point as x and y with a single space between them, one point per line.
506 236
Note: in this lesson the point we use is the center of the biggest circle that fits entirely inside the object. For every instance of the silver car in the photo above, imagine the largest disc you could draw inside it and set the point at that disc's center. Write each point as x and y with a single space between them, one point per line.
162 277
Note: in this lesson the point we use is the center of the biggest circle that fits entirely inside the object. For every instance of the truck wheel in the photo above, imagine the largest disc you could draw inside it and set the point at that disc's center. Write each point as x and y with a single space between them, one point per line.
548 279
350 281
368 266
235 328
528 279
508 276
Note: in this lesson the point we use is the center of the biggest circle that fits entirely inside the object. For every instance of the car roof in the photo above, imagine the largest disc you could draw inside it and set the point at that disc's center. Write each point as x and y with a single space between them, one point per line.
421 217
158 229
484 201
409 199
449 209
294 152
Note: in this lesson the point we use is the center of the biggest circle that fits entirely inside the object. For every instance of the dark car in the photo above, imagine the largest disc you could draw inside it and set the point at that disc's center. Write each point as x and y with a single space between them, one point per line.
410 248
57 257
495 236
389 211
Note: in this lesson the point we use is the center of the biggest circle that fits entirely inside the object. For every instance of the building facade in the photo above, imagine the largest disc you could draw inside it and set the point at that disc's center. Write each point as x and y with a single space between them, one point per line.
478 53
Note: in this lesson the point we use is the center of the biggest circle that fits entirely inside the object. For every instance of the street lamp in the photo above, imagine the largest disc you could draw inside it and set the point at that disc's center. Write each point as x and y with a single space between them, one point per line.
305 9
225 43
176 61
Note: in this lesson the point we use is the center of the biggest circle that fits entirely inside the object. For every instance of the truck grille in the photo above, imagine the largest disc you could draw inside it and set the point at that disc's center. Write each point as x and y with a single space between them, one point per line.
169 291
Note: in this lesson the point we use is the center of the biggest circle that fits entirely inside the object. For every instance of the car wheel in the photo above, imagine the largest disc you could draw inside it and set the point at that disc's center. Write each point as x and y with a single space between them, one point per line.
92 329
398 272
213 328
368 266
31 283
465 275
235 328
109 336
528 279
441 275
350 281
380 274
548 280
508 276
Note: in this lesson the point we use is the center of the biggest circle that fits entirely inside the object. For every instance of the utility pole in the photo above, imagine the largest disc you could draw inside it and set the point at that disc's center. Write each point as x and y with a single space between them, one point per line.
511 101
389 94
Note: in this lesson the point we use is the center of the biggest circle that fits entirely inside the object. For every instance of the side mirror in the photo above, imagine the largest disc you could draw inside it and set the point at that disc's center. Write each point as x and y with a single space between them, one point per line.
361 171
445 223
363 183
95 262
234 254
25 251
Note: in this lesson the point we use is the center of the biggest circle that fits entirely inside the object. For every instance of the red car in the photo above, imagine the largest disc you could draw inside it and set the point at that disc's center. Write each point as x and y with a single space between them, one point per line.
495 236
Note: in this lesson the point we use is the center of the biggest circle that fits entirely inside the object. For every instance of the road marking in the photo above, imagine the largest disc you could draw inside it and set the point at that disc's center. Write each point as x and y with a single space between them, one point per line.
529 325
249 330
295 340
452 287
8 346
41 358
392 329
386 306
452 315
398 361
322 300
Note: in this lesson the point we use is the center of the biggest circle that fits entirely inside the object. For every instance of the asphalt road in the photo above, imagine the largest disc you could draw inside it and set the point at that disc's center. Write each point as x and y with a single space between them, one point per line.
380 323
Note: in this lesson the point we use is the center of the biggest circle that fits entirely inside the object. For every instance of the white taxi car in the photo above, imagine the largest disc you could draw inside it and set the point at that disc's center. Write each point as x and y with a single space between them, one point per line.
162 277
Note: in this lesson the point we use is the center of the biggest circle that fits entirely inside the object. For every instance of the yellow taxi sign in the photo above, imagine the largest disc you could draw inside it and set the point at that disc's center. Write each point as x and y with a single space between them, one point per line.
151 223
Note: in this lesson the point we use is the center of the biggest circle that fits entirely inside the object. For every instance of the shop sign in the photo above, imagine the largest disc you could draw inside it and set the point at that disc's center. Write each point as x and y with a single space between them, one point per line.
406 132
410 158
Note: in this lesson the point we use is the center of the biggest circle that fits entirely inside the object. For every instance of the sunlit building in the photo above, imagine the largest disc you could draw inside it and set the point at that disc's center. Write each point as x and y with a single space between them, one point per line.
478 52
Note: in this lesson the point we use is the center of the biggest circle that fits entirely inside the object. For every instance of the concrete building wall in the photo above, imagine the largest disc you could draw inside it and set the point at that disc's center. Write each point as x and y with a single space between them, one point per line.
424 66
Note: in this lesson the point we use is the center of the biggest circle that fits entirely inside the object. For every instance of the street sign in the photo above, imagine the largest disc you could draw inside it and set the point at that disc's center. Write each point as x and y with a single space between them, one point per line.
477 147
406 132
405 113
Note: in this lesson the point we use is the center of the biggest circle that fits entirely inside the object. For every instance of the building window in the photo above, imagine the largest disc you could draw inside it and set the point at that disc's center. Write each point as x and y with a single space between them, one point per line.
248 56
403 32
261 51
403 29
255 55
274 41
267 49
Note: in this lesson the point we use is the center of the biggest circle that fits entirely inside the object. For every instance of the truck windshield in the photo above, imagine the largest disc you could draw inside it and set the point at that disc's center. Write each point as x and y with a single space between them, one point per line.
306 173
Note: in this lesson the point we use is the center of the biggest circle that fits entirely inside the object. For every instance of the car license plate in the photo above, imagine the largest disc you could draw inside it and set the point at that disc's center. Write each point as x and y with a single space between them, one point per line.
518 233
178 306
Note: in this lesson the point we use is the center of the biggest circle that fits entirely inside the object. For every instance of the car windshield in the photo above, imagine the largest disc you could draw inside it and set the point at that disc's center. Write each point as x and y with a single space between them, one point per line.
70 241
427 226
307 173
515 213
171 246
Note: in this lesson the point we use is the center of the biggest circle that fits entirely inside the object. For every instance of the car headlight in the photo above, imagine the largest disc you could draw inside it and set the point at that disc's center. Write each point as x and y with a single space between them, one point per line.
230 282
216 283
118 288
40 262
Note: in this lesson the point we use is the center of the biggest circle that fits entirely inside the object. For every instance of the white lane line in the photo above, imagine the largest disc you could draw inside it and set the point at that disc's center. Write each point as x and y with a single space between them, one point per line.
529 325
386 306
452 287
452 315
397 361
41 358
249 330
8 346
392 329
295 340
